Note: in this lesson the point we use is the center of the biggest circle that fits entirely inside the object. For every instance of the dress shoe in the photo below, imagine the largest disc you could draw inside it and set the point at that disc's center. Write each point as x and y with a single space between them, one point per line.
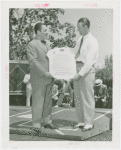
78 126
51 126
37 129
87 127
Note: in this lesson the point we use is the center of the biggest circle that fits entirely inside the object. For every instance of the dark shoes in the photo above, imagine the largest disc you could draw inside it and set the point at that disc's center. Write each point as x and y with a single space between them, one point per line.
37 129
50 126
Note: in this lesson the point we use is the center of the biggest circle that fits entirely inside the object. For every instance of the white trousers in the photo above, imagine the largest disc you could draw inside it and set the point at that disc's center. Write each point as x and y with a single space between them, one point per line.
28 96
84 96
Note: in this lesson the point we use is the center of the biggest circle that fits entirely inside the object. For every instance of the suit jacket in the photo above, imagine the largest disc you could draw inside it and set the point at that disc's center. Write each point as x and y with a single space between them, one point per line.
36 53
102 91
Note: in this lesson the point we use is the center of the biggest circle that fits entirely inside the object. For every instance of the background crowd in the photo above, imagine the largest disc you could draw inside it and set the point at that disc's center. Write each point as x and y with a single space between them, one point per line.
63 93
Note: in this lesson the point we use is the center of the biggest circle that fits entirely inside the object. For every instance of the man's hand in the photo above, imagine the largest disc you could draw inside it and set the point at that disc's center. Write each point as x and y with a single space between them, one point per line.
97 97
48 75
77 77
67 94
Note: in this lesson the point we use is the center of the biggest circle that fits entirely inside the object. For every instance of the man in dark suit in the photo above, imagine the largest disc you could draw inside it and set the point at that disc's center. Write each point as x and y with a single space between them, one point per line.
100 92
41 79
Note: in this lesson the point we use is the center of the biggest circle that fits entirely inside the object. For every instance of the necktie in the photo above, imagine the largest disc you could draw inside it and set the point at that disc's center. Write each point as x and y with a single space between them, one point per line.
78 53
44 42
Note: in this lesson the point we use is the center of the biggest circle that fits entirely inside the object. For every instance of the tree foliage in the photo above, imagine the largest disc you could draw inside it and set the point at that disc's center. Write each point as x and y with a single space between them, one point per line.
21 30
105 73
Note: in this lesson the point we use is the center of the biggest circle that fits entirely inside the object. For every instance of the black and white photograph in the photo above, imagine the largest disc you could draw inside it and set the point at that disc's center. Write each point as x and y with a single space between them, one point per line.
60 73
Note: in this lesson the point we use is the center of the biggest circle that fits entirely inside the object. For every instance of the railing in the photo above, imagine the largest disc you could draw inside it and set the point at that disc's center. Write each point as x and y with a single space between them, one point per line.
18 69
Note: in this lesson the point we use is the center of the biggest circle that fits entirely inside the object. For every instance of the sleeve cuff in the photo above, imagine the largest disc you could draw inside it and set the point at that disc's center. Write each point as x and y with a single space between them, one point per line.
81 73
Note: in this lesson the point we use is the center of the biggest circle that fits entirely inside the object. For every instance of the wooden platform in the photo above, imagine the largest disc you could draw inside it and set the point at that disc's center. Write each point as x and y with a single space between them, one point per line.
65 118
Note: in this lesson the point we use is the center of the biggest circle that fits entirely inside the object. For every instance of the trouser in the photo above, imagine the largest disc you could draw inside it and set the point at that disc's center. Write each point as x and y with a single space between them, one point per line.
60 99
110 102
41 103
54 101
84 96
28 96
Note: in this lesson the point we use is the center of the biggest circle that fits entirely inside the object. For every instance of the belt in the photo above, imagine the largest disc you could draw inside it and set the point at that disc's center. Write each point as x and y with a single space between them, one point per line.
79 62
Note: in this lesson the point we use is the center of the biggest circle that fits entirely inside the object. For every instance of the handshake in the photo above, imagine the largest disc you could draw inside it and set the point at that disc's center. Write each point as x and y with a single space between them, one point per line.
58 82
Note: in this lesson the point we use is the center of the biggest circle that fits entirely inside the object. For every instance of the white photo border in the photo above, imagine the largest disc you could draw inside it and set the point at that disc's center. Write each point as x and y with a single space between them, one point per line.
115 143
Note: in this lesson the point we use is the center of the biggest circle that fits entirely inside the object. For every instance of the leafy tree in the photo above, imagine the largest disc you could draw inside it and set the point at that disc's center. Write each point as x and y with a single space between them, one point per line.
21 30
105 73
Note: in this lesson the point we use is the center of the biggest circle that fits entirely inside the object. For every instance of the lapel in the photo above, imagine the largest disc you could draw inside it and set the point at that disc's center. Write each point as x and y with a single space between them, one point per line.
43 47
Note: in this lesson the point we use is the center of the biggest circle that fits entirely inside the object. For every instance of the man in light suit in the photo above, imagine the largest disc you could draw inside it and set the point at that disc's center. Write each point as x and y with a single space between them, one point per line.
86 54
41 79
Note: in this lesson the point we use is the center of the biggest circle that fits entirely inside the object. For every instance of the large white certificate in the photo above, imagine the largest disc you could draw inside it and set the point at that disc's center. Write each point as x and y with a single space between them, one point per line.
62 64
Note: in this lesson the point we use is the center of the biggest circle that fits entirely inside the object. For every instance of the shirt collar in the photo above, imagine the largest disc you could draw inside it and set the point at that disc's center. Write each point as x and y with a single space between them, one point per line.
37 38
42 41
87 35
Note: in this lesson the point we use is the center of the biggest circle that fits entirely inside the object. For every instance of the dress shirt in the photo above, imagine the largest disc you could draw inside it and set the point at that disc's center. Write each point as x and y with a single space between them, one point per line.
88 53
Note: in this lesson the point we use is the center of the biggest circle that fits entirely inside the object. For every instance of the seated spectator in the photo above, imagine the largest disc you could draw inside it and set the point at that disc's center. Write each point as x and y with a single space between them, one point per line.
100 93
67 92
59 83
28 87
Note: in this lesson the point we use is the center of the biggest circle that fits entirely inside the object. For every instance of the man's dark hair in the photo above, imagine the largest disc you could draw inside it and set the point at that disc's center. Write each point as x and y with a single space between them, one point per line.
38 26
59 83
85 21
